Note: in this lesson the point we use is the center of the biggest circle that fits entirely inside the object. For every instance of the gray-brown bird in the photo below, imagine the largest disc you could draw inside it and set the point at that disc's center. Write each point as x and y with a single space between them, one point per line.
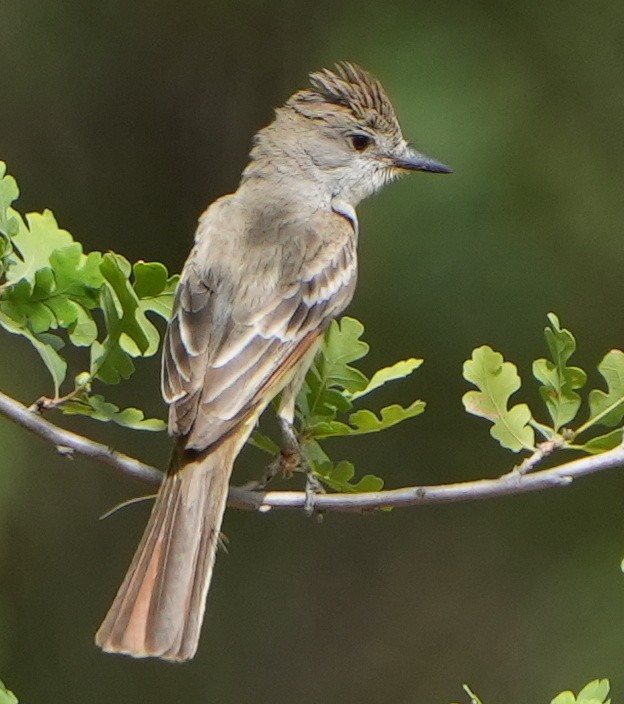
272 265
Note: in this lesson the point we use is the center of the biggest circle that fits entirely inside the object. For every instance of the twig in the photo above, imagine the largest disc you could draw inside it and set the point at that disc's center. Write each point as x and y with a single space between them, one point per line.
507 485
68 443
543 450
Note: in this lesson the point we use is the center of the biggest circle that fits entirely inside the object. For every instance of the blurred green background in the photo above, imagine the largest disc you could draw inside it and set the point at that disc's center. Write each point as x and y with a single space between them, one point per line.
127 120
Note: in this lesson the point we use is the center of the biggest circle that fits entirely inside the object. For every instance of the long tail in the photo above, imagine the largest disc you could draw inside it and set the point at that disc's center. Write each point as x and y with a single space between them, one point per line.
159 608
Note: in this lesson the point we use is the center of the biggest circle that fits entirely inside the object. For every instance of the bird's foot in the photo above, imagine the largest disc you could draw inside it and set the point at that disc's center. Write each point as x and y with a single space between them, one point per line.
293 458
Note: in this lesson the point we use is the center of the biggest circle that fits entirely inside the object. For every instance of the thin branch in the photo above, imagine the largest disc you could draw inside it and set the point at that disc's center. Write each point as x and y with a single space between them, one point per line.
514 482
68 443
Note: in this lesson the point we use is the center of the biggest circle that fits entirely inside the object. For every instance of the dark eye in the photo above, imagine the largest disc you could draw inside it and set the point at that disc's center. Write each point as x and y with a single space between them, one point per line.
361 141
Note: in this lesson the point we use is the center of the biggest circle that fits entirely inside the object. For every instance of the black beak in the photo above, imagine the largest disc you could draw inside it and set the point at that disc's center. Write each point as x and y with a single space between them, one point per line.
413 161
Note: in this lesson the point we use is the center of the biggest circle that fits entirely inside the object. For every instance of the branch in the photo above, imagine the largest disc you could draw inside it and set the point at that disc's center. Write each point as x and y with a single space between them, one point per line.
68 443
515 482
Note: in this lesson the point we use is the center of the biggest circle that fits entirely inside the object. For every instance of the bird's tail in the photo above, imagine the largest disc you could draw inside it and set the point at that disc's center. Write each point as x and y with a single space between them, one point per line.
159 608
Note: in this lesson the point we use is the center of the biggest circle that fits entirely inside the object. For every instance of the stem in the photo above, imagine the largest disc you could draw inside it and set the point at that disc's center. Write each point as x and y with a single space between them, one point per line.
597 418
508 484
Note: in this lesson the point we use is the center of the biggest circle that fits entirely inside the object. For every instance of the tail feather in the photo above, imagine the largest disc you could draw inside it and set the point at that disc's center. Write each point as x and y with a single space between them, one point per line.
159 608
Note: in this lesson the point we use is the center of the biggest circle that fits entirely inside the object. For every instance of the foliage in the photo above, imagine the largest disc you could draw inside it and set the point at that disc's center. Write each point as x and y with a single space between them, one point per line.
6 696
52 293
58 297
515 427
326 404
595 692
497 381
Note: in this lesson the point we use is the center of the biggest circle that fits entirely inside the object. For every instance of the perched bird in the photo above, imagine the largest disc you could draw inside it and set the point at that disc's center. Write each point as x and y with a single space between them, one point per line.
272 265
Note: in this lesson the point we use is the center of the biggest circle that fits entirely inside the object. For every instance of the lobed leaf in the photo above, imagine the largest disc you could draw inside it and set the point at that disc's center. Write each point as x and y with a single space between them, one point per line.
128 331
97 407
595 692
364 421
497 380
607 408
60 295
9 192
399 370
35 242
154 287
340 478
331 374
602 443
566 697
333 384
47 347
6 696
8 222
264 443
559 381
342 345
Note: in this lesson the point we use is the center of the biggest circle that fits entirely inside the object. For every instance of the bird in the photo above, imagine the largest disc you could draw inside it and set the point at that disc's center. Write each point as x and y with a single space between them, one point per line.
272 265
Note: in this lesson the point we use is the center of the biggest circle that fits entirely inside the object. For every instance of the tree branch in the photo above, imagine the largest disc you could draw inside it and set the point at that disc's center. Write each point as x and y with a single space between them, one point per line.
68 443
515 482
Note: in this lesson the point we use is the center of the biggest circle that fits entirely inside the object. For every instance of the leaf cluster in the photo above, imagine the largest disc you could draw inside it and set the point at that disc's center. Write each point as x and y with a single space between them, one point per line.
58 297
515 426
55 295
329 400
596 692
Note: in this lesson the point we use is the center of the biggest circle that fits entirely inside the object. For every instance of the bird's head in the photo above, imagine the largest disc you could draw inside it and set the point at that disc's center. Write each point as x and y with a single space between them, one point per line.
343 132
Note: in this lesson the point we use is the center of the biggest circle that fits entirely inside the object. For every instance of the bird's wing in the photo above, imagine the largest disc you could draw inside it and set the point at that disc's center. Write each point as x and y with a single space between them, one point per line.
238 333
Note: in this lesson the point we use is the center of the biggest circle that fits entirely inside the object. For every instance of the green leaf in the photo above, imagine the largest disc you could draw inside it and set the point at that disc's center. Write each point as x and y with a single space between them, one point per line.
97 407
77 275
602 443
340 478
263 442
154 288
135 333
46 345
564 698
607 408
35 243
129 332
342 345
399 370
497 380
60 295
83 332
52 284
8 222
110 363
9 191
597 691
331 374
558 380
20 303
364 421
6 696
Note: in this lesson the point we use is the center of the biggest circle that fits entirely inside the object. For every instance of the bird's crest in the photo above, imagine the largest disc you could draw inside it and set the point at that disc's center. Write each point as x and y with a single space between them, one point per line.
355 89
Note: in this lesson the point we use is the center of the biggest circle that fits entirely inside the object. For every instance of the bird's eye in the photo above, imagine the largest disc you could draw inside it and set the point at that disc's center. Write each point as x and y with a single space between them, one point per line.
361 141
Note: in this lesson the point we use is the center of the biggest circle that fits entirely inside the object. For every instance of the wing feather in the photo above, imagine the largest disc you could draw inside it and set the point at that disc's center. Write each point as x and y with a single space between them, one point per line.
237 334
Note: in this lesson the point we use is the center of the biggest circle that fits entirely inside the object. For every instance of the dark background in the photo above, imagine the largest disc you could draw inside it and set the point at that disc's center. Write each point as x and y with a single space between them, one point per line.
127 119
